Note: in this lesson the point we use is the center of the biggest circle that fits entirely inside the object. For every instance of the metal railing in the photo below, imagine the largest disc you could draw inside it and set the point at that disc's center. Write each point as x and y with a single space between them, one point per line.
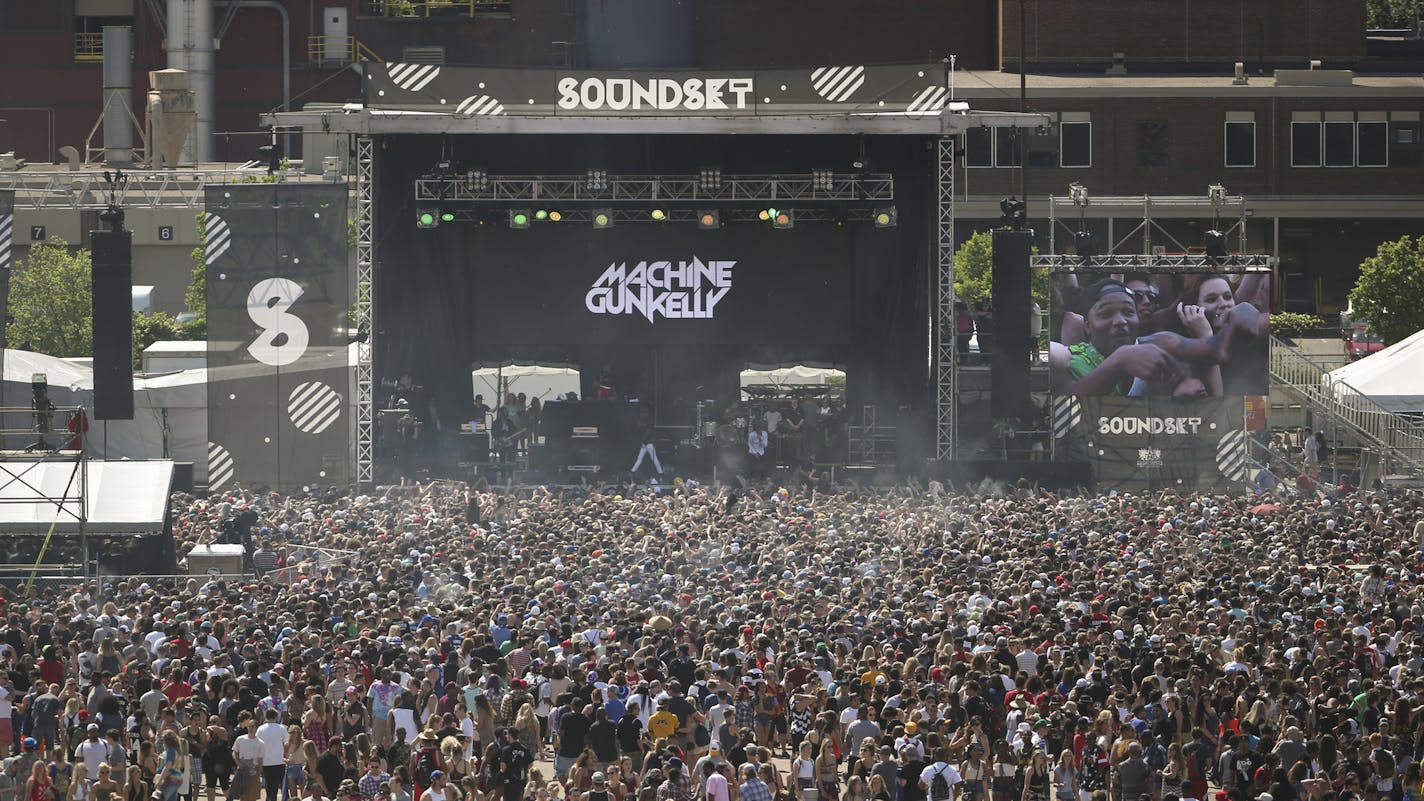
88 46
429 8
337 51
1399 438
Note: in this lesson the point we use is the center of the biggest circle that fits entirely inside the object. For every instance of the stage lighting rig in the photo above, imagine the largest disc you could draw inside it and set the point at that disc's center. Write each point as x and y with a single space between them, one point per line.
709 219
519 218
477 180
43 411
1216 248
596 180
427 218
782 219
1013 213
1085 243
822 179
887 217
602 218
710 179
658 215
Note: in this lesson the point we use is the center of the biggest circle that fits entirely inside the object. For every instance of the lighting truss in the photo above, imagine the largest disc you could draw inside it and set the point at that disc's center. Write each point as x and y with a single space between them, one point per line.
86 189
365 309
732 215
650 188
946 364
1168 263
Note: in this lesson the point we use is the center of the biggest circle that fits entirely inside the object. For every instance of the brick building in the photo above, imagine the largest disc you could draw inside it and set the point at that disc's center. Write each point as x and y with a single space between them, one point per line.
1142 92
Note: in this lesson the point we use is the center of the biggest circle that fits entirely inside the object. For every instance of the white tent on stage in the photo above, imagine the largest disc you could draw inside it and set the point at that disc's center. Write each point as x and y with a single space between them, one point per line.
1392 378
796 375
543 381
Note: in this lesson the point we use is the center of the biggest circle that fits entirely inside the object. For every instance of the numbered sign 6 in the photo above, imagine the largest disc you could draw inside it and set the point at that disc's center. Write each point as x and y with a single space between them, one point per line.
284 336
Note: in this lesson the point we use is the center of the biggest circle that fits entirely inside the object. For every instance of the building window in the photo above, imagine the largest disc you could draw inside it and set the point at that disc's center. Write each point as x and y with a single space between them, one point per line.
1006 147
1075 139
1070 145
89 36
1153 144
1372 139
979 147
1240 138
1305 139
1339 139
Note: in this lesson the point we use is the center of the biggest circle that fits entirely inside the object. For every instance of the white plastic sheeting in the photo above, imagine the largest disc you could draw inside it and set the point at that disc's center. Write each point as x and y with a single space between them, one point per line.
118 497
545 382
1393 377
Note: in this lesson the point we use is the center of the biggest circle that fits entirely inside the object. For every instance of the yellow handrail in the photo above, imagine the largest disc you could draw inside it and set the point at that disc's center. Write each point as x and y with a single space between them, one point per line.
88 46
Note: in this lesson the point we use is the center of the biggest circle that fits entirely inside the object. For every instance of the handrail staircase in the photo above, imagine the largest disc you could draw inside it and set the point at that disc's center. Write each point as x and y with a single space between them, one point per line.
1397 438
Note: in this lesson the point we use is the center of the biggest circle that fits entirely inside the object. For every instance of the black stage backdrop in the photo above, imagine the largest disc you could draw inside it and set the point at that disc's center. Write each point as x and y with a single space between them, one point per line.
462 293
278 294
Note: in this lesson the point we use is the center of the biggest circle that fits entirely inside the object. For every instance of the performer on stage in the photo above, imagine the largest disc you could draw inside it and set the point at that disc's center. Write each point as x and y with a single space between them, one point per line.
648 450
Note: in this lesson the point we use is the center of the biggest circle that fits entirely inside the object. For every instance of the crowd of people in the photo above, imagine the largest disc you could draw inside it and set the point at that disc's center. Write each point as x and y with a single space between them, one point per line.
431 643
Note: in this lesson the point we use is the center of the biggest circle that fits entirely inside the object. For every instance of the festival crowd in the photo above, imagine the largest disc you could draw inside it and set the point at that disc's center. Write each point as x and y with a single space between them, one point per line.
432 643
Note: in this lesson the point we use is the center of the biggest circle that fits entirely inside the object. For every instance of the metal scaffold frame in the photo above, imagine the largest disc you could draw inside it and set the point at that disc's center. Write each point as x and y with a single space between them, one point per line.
946 363
365 308
476 187
141 189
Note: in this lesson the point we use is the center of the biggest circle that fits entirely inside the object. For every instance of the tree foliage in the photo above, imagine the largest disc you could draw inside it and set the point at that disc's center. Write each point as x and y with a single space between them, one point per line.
160 327
50 301
974 272
196 296
1390 13
1389 293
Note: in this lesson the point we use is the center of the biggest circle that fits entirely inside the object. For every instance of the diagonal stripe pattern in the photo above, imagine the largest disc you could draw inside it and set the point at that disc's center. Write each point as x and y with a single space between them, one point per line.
928 101
313 407
7 224
837 84
221 467
218 236
1231 455
479 106
1067 414
412 77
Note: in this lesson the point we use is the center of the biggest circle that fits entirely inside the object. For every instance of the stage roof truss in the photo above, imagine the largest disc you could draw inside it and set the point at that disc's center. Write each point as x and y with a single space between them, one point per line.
687 215
873 187
1155 264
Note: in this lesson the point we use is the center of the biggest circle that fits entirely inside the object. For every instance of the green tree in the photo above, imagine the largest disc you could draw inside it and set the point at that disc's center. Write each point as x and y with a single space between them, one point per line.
50 301
1389 293
974 268
1391 13
196 296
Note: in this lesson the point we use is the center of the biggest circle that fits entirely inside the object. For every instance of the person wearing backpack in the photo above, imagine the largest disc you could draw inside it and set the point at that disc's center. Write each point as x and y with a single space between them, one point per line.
939 778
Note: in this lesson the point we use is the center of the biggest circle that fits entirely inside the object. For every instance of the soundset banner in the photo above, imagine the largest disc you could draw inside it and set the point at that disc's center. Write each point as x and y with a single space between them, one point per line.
652 285
1137 444
900 90
279 400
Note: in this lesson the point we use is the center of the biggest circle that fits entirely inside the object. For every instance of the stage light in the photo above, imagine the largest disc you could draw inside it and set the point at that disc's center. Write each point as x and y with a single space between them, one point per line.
1014 213
602 218
708 219
595 180
658 215
1078 193
886 217
710 179
518 218
1216 249
822 179
765 214
1085 243
447 216
477 180
541 214
426 218
783 219
555 216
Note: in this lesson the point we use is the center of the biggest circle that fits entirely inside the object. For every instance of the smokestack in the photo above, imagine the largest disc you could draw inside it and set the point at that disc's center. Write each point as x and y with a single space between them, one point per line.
118 96
190 48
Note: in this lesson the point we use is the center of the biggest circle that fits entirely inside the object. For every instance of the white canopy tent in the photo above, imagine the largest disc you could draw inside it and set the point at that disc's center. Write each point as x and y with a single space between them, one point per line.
543 381
798 375
119 497
1393 377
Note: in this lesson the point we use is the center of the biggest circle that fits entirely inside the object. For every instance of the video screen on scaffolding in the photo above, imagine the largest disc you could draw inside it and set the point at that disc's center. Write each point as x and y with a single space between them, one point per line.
1137 335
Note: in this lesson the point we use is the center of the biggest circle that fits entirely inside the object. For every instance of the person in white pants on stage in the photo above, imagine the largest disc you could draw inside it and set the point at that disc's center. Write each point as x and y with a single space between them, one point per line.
647 450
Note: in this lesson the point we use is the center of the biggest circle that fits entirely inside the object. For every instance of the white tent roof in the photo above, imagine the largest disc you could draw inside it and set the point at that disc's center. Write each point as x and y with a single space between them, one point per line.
1393 377
119 497
796 375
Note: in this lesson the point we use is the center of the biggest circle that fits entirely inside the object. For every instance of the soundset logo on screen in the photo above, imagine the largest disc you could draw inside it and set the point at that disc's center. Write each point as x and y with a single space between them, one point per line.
672 290
658 94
